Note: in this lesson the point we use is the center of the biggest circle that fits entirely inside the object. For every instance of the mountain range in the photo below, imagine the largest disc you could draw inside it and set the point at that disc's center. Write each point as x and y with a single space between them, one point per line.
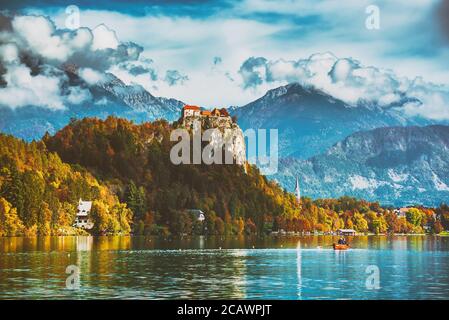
309 121
109 97
394 165
335 148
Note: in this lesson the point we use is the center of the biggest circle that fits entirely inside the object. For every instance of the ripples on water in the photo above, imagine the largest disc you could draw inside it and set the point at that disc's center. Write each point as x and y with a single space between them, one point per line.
235 268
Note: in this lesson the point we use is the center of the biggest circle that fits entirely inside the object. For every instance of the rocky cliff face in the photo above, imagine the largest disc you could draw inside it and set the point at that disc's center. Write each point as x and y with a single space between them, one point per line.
227 133
393 165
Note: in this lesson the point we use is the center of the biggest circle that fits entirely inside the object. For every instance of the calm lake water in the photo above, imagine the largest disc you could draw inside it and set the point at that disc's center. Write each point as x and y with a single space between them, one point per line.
414 267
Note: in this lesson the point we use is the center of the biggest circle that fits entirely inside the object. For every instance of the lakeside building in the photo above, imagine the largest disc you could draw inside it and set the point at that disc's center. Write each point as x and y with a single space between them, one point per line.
200 216
401 212
82 215
346 232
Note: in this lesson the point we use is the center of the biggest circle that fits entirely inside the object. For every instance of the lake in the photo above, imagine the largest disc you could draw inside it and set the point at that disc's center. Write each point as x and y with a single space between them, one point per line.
119 267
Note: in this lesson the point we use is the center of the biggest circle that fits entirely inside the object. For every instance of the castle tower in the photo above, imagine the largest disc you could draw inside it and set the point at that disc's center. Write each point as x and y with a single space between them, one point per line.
297 191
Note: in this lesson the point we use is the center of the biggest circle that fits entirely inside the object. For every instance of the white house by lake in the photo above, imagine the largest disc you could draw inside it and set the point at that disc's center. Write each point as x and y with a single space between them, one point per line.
82 219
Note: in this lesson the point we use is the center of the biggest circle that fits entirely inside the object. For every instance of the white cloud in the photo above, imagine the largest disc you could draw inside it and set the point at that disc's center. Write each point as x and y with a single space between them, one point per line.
78 95
189 45
39 34
42 90
97 48
91 76
345 79
298 29
434 100
350 81
32 53
24 89
9 53
104 38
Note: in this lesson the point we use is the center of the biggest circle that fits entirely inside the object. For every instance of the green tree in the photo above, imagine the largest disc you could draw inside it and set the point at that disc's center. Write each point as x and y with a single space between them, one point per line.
250 227
211 222
149 226
414 216
443 215
360 224
136 200
44 220
10 223
379 225
12 187
238 225
33 191
140 230
100 217
123 216
219 226
65 215
392 220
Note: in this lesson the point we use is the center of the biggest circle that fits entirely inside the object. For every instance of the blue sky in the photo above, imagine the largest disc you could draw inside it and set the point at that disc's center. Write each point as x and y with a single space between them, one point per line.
199 48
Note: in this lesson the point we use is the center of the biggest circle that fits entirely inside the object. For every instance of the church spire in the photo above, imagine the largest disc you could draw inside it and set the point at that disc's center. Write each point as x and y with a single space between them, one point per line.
297 191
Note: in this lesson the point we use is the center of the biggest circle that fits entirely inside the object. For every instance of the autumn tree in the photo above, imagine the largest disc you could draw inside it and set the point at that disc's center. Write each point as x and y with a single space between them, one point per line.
10 223
414 216
360 223
100 217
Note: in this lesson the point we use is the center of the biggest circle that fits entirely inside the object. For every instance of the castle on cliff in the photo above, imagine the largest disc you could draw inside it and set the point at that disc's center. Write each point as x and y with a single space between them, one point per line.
231 135
219 118
195 111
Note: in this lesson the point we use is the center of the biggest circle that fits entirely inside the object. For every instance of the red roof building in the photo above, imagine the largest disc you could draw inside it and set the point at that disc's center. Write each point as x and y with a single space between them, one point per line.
188 107
191 111
195 111
224 112
216 112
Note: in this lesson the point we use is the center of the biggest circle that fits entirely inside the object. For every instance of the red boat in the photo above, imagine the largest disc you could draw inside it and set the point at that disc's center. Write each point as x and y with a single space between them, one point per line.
341 246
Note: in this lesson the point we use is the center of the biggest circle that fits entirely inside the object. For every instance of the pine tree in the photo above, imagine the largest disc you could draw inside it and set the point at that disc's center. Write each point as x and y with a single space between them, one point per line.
136 200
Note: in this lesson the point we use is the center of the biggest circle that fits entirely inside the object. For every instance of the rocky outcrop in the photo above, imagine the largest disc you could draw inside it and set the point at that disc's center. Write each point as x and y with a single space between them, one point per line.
224 132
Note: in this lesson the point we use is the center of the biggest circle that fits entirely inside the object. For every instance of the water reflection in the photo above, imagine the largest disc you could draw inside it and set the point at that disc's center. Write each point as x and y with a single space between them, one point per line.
279 268
298 268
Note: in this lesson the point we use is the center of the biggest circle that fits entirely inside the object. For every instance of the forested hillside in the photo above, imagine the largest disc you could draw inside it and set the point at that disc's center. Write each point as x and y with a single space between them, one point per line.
39 193
133 160
115 160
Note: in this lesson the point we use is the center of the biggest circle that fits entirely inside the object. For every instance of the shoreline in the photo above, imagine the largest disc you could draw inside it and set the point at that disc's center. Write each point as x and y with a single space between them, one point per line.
272 236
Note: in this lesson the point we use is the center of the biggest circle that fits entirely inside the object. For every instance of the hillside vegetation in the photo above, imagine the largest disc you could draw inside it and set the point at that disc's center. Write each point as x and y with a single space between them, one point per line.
133 160
39 193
